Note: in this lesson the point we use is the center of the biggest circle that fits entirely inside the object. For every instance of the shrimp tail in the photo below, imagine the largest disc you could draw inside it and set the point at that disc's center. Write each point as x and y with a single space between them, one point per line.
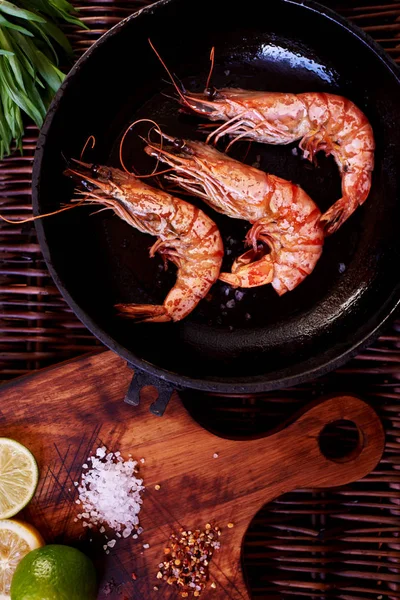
250 275
337 214
250 271
145 313
355 188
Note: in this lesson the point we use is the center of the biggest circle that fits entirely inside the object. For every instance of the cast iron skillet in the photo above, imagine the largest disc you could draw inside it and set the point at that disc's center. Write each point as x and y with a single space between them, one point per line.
260 341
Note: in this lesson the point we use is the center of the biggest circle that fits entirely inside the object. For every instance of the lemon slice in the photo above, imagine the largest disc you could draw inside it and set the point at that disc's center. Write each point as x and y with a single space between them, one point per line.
18 477
17 539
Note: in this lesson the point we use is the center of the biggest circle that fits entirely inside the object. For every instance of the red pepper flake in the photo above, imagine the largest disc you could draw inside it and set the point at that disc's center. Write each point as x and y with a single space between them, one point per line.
187 559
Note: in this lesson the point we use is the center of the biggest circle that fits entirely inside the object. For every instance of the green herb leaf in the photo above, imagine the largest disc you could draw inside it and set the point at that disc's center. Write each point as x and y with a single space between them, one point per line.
49 72
5 134
11 9
29 76
14 63
54 32
18 95
5 23
46 38
19 42
65 11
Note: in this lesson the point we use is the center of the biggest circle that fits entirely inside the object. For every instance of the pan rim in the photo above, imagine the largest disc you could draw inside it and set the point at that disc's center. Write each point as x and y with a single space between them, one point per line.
223 384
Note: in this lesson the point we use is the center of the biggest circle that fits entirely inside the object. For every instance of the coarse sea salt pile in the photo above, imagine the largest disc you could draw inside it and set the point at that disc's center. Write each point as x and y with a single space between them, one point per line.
110 494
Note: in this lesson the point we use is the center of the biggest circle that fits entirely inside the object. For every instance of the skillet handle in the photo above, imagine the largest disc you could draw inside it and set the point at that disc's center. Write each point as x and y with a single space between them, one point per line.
142 379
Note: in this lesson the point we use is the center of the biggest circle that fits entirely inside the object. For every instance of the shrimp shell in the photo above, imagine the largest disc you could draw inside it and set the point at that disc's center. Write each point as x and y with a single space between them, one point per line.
320 121
186 236
284 217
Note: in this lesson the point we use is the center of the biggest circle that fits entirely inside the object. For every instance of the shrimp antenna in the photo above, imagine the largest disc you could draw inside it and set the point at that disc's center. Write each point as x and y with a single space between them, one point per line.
93 140
212 57
121 160
176 86
156 128
50 214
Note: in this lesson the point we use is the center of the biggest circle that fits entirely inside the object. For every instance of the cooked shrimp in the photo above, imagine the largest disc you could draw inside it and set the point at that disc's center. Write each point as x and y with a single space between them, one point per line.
186 236
284 218
321 121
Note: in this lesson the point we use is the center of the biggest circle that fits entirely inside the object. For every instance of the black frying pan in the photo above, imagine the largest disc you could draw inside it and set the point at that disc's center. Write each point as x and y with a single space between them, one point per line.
260 341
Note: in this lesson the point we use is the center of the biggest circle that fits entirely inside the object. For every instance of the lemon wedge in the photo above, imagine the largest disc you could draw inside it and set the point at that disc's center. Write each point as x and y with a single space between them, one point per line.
18 477
17 539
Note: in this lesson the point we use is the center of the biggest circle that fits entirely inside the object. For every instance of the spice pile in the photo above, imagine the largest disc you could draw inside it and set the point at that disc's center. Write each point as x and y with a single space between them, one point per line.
187 558
110 494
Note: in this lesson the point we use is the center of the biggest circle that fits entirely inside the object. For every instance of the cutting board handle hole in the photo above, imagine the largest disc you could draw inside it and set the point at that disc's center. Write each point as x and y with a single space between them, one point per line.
341 441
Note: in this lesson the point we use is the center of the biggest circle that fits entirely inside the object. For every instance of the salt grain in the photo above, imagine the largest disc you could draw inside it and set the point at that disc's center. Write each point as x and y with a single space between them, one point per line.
230 304
101 452
110 492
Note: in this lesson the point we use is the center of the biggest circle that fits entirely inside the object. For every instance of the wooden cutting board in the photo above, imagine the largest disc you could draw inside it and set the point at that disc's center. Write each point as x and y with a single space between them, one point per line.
64 414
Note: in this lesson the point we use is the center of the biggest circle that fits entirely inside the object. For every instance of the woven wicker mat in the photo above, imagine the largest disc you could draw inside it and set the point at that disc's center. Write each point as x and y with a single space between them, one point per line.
338 544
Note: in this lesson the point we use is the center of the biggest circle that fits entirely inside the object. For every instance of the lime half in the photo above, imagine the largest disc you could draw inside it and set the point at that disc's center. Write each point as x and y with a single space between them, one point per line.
18 477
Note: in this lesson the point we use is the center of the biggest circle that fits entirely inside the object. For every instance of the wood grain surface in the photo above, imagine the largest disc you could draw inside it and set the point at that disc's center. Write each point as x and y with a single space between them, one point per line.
63 414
